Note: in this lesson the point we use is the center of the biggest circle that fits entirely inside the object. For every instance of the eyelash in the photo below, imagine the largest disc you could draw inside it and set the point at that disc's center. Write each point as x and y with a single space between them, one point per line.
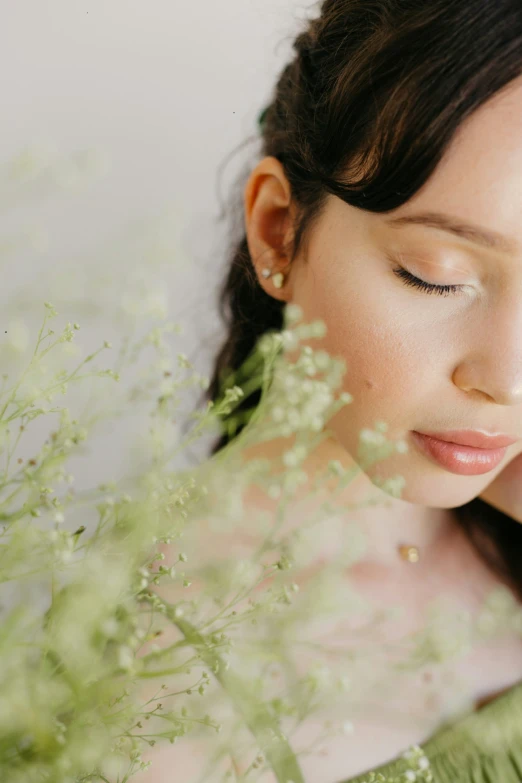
428 288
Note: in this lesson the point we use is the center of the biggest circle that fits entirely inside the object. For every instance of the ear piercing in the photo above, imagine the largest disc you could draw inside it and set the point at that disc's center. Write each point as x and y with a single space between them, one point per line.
278 278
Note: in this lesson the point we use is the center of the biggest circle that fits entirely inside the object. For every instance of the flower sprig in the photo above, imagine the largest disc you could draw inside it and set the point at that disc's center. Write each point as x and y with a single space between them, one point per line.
115 589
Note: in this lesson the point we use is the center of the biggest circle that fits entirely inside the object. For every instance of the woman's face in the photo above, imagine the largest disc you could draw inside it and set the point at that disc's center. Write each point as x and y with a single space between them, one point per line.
415 360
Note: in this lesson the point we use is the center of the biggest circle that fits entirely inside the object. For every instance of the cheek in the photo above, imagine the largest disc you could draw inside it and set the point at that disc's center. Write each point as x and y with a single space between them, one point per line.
385 353
396 354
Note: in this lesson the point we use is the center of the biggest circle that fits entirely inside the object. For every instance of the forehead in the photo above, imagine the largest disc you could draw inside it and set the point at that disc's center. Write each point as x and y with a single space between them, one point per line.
479 180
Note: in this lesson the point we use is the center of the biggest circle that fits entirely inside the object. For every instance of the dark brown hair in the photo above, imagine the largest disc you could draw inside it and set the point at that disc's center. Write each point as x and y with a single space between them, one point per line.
366 110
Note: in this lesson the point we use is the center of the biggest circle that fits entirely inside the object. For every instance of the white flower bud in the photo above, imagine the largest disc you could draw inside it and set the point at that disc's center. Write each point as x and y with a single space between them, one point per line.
293 313
125 658
371 438
335 467
290 459
289 340
319 329
110 628
278 413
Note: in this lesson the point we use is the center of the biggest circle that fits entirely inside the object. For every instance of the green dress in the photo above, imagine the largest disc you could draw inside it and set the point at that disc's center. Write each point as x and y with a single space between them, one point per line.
481 746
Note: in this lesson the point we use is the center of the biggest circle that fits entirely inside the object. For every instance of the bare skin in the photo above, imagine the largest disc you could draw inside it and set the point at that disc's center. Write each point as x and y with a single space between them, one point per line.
391 711
417 362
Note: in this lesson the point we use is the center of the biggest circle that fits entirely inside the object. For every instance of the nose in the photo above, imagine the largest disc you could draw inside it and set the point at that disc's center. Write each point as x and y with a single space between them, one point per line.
493 369
502 387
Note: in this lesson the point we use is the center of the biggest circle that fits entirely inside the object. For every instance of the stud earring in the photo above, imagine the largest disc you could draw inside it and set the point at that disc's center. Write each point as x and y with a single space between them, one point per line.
278 279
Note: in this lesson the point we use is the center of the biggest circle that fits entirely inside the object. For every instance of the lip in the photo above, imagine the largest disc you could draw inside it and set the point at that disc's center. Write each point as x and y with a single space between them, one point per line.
459 459
475 438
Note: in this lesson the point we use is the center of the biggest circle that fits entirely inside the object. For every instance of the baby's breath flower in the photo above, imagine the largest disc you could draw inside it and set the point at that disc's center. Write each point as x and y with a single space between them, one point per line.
293 313
100 621
290 340
234 394
394 486
67 334
335 467
371 438
319 329
316 424
290 459
110 628
294 419
278 413
125 658
183 361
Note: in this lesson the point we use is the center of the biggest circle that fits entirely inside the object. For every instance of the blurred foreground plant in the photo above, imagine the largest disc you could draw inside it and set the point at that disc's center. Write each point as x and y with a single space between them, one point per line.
100 601
80 605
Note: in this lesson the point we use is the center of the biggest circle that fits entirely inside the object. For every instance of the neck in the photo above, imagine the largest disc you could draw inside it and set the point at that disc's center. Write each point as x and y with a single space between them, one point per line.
387 523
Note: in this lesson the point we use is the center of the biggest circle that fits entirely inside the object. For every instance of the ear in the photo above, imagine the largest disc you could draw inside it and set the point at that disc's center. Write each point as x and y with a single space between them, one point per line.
269 219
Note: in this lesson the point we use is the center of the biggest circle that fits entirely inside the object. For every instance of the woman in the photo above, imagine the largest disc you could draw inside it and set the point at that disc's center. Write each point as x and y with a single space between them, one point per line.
387 203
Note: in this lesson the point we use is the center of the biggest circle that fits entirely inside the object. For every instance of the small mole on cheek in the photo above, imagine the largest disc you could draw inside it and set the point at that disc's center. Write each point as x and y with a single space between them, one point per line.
369 384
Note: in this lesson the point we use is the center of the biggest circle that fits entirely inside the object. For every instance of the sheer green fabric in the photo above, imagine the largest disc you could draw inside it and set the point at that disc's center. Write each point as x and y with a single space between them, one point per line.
481 746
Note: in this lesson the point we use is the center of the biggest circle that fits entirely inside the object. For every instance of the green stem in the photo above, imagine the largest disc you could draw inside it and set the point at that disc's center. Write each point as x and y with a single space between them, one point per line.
258 718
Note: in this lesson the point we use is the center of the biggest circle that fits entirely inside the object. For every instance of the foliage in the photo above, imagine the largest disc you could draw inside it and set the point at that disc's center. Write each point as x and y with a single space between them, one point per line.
126 617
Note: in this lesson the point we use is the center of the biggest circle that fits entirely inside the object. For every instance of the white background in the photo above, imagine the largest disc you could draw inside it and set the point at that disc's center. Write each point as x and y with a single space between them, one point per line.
159 94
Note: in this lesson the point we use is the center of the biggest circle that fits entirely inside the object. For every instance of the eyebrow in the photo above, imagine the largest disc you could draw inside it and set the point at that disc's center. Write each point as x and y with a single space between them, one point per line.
480 236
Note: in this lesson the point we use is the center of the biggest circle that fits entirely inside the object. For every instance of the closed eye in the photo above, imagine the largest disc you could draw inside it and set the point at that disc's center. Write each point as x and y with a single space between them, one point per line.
429 288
